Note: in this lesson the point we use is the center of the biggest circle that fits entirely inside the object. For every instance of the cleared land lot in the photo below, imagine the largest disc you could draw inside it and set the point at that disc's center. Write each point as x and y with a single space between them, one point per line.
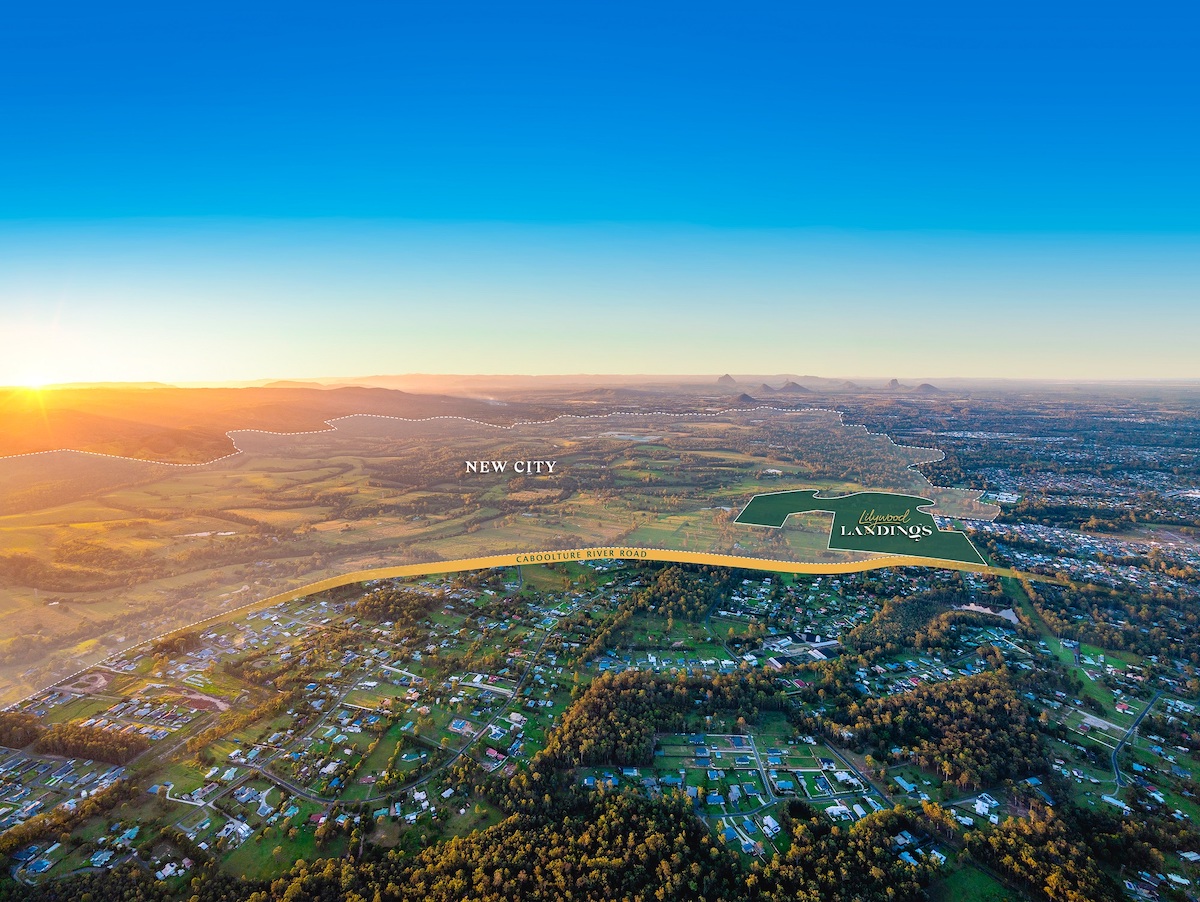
99 554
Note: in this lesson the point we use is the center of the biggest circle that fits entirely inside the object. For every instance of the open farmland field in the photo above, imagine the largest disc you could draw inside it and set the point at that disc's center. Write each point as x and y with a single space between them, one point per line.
122 551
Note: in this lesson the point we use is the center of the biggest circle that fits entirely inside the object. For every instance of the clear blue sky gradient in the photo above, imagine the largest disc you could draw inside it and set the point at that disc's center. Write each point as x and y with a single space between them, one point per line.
467 179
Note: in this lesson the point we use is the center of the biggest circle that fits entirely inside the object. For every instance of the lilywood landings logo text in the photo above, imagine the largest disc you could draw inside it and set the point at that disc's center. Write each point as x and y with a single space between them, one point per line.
873 524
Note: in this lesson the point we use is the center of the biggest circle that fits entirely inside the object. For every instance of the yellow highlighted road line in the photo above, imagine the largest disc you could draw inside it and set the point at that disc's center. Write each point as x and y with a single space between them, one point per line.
429 568
585 554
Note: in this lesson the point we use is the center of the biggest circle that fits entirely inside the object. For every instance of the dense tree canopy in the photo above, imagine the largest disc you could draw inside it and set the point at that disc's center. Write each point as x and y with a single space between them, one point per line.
615 719
18 729
1043 855
974 730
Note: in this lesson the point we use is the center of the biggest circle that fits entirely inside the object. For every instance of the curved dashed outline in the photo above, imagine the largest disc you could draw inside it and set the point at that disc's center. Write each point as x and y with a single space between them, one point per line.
940 455
879 560
923 508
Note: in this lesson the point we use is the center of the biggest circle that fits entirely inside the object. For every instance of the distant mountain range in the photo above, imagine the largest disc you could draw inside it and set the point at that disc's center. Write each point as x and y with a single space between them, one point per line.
151 421
792 387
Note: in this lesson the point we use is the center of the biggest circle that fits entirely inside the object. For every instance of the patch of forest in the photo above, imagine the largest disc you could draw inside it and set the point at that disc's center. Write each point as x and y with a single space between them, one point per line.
616 717
70 740
974 731
921 621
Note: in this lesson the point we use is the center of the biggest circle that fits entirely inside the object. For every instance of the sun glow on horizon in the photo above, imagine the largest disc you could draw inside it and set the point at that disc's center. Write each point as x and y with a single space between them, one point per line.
33 381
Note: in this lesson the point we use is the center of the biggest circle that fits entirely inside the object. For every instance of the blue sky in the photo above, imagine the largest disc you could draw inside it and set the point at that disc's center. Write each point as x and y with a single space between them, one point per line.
391 187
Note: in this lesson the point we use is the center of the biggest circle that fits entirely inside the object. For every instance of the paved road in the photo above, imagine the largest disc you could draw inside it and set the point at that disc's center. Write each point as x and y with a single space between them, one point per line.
863 778
396 790
1128 735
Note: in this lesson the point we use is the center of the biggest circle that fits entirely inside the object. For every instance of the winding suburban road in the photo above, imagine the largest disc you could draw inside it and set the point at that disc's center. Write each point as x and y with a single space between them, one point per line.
395 791
1128 735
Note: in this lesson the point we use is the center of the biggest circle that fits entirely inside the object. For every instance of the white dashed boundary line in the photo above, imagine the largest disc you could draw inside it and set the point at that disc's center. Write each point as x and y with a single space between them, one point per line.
940 455
923 508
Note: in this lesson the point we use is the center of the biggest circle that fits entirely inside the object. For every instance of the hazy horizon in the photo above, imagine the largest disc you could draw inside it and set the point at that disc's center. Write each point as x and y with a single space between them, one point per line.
412 381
